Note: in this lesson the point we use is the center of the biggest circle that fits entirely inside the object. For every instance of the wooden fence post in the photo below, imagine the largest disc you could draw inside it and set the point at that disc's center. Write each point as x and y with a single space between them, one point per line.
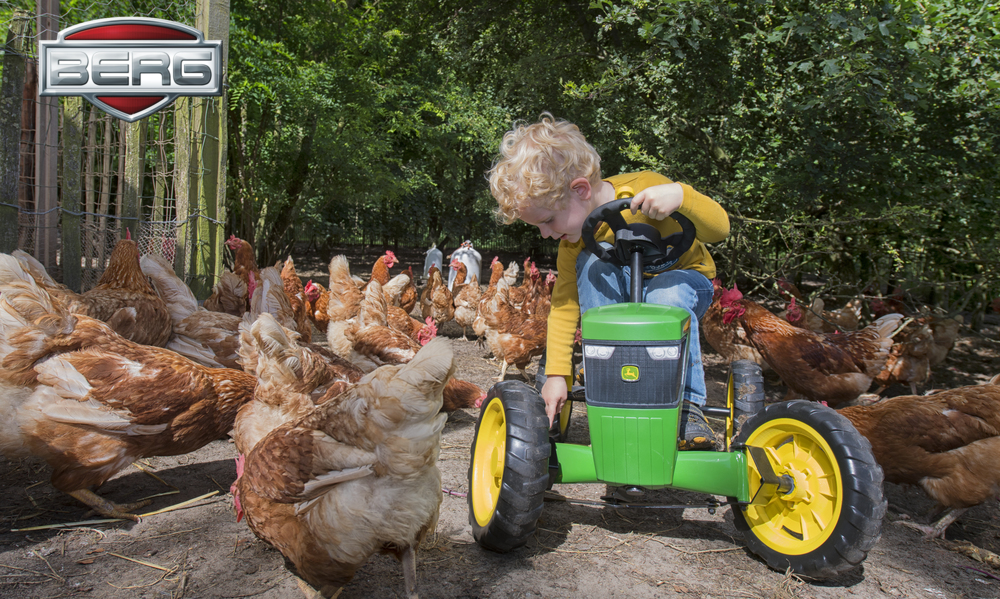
184 180
47 152
209 136
72 140
11 90
135 166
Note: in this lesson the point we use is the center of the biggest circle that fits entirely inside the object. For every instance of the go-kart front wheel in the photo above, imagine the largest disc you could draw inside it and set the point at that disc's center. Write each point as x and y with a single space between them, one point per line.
510 466
832 515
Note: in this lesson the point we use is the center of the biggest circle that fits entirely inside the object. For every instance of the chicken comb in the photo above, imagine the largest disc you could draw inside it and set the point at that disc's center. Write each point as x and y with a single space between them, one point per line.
730 296
128 234
495 260
793 313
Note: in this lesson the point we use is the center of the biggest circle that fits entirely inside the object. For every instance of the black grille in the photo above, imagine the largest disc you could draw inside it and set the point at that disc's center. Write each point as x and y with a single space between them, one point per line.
659 384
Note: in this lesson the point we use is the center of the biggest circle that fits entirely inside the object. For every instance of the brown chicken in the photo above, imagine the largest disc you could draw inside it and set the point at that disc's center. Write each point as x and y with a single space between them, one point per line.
945 332
229 295
461 270
525 293
512 335
728 339
268 295
244 263
394 288
496 273
466 303
834 368
344 296
209 338
123 298
426 302
368 342
408 298
543 299
948 443
319 301
809 318
437 301
293 378
295 292
380 270
212 338
909 359
817 319
355 476
90 402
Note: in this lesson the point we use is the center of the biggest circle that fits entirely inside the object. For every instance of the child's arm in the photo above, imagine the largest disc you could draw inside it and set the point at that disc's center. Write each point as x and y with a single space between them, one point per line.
660 201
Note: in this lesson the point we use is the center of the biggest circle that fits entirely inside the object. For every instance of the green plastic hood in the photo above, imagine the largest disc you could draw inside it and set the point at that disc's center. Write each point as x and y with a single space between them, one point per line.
635 322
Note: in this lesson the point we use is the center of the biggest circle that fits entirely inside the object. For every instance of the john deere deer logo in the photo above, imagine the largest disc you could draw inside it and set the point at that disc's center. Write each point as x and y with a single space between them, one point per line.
630 373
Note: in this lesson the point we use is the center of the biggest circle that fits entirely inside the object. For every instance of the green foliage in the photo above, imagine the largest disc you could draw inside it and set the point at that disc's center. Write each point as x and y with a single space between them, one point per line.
857 140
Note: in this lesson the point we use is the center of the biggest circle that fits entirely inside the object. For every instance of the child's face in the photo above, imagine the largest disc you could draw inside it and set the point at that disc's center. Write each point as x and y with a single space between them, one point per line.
564 223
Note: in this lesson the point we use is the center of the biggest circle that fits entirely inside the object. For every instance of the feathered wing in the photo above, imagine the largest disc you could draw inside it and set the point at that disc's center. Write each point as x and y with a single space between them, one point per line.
345 297
206 337
356 476
229 295
269 297
179 298
835 368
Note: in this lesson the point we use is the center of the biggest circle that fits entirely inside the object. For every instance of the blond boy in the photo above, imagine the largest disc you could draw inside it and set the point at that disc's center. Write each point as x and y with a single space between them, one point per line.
550 177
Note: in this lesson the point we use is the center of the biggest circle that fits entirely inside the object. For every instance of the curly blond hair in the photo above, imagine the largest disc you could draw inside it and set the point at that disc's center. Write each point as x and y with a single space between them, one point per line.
537 164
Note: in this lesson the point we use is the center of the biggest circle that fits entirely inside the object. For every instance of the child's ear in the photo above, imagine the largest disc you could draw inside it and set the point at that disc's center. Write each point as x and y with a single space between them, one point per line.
581 188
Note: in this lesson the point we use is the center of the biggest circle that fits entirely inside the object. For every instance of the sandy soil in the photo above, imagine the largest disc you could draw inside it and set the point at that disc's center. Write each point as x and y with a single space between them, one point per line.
579 551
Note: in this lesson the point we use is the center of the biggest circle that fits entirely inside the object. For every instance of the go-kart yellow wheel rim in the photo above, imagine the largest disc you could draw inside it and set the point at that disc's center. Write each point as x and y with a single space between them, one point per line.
801 520
488 461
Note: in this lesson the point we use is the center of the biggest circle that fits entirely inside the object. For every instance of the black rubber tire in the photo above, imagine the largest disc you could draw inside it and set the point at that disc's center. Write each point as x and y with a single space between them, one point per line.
847 539
525 472
747 385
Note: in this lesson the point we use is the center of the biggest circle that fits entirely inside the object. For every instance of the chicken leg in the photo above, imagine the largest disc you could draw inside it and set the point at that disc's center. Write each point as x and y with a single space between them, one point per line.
503 370
936 530
409 560
107 508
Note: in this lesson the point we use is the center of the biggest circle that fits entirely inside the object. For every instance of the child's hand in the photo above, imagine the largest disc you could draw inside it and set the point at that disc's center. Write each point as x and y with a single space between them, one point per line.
554 393
659 201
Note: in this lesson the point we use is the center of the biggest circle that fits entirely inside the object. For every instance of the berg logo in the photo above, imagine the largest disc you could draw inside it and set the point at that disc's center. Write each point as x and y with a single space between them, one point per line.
130 67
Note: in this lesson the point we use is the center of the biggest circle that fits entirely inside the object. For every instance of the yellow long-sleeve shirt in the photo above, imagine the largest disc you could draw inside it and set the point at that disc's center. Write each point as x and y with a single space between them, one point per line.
711 223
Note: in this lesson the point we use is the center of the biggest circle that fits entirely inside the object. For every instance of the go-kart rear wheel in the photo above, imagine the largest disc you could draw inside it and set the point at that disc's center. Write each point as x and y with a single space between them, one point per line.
826 524
510 467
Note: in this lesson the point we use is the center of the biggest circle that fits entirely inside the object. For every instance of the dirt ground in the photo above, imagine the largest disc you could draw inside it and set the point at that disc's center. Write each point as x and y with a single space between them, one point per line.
579 550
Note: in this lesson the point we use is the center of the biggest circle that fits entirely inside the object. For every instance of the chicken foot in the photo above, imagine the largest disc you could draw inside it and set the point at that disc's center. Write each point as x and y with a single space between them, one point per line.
107 508
328 592
936 530
409 560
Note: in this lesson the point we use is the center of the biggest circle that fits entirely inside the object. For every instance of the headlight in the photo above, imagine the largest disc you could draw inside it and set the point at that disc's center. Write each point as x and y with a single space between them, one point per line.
601 352
671 352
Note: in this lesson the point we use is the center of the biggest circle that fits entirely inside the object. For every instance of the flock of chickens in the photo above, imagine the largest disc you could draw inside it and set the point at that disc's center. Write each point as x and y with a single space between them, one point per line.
338 444
944 441
337 449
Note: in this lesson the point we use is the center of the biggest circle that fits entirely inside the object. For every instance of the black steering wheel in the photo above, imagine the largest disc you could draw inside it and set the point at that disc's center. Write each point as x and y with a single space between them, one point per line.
636 237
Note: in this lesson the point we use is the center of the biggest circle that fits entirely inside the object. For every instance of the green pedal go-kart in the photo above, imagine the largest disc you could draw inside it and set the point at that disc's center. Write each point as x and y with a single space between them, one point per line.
802 483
